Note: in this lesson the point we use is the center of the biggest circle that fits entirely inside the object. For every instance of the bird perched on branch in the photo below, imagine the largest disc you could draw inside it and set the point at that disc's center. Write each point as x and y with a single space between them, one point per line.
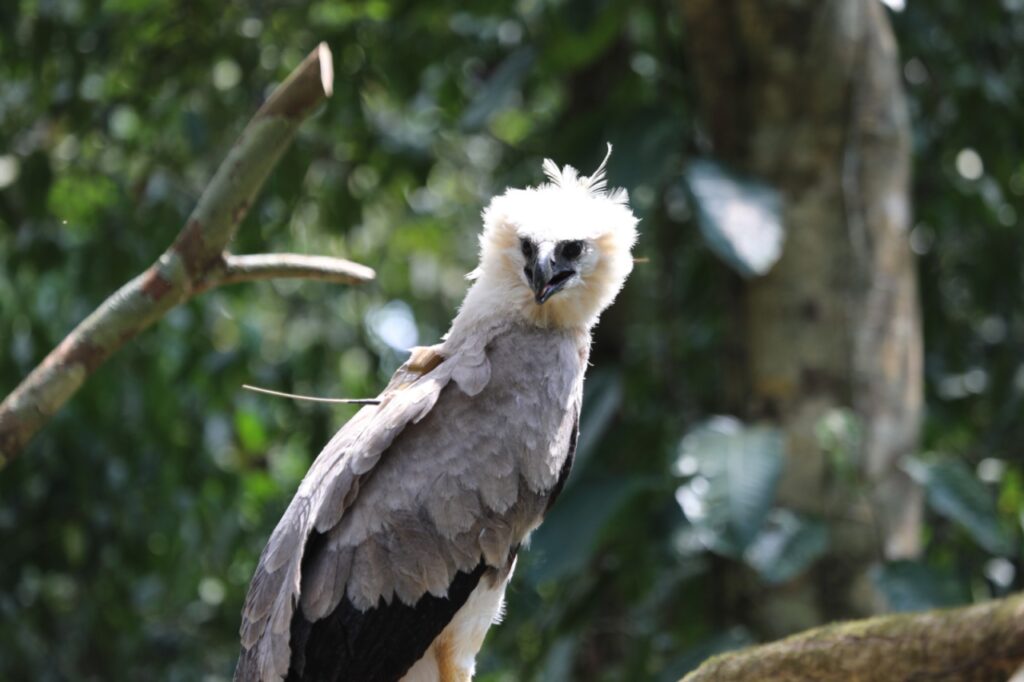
391 561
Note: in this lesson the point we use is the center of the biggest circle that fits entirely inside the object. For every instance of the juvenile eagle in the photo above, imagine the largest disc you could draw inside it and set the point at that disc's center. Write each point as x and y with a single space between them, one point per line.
391 561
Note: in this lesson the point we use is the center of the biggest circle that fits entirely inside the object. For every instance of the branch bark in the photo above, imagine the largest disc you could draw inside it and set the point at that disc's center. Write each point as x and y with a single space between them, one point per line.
292 265
194 263
981 643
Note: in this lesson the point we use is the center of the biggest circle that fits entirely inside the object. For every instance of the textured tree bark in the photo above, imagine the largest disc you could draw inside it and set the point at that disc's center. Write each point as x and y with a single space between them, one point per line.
981 643
806 95
196 262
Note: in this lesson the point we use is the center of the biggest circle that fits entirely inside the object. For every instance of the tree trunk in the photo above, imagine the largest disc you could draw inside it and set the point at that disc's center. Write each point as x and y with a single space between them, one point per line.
806 95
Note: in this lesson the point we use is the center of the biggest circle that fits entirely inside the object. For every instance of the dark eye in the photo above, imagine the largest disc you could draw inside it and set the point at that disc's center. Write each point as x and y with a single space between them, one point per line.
527 248
572 250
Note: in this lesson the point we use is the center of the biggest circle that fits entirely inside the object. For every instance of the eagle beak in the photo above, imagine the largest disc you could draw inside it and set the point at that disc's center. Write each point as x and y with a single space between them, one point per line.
548 275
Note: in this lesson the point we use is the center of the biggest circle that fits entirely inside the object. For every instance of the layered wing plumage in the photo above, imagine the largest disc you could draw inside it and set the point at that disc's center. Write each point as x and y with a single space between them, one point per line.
449 473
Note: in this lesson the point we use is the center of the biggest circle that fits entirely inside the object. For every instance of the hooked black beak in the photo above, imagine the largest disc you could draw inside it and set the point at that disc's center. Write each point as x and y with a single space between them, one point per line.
547 276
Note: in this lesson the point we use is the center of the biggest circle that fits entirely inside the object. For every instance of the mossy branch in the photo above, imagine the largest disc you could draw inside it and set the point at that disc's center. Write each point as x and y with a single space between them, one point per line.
980 643
196 262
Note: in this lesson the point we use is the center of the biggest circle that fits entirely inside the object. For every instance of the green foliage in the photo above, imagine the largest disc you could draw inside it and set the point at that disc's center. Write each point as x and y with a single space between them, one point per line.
132 525
786 546
733 471
565 545
955 493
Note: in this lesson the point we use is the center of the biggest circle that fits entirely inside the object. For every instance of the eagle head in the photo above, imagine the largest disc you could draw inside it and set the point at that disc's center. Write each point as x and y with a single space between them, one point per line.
557 253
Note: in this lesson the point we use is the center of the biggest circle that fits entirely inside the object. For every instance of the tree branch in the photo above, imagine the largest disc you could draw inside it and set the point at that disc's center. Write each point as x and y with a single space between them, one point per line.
194 263
984 642
277 265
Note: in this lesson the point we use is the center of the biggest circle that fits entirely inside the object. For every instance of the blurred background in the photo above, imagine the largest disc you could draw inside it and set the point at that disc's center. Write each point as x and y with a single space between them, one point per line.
766 443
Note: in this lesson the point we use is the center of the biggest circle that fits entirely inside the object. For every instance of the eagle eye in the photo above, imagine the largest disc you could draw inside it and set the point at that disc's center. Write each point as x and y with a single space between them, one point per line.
572 250
526 246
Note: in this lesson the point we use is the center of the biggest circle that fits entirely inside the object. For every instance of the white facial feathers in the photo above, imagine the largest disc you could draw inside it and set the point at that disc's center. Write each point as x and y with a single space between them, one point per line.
568 208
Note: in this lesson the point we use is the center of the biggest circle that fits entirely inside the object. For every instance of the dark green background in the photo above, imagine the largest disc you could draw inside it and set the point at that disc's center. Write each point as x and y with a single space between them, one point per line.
130 527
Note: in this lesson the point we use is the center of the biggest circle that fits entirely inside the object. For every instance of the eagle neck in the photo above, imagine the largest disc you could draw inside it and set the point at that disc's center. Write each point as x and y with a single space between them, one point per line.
489 310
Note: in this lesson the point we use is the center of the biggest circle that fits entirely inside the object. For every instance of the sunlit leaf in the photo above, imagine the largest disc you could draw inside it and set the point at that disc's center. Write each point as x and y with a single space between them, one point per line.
250 430
78 200
736 468
511 126
786 546
954 492
740 218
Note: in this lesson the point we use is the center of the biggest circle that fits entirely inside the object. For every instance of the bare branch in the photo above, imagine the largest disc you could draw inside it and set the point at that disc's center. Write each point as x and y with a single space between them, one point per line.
976 643
281 265
195 262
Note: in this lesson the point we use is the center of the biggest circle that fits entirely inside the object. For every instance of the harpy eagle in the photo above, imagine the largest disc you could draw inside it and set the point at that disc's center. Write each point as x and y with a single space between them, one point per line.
390 563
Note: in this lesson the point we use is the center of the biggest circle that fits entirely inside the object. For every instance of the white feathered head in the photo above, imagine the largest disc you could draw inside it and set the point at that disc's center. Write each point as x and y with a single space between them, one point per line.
560 252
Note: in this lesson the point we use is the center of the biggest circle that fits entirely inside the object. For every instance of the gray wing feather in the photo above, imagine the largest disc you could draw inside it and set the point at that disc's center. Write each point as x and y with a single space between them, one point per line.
466 474
330 486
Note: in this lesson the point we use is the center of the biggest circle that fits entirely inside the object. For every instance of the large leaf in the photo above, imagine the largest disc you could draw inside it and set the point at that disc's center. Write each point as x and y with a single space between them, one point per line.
570 533
955 493
915 586
787 545
735 469
602 398
740 218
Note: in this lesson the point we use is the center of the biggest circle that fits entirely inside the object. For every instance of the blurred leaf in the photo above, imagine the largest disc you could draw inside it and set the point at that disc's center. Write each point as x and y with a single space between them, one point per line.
916 586
740 218
839 433
511 126
77 201
496 93
955 493
735 469
602 397
251 432
338 14
196 130
34 181
733 638
786 546
558 663
134 6
571 531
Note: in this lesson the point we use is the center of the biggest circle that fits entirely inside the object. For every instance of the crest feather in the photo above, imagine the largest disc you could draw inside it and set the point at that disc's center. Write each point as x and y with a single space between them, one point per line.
596 184
561 177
